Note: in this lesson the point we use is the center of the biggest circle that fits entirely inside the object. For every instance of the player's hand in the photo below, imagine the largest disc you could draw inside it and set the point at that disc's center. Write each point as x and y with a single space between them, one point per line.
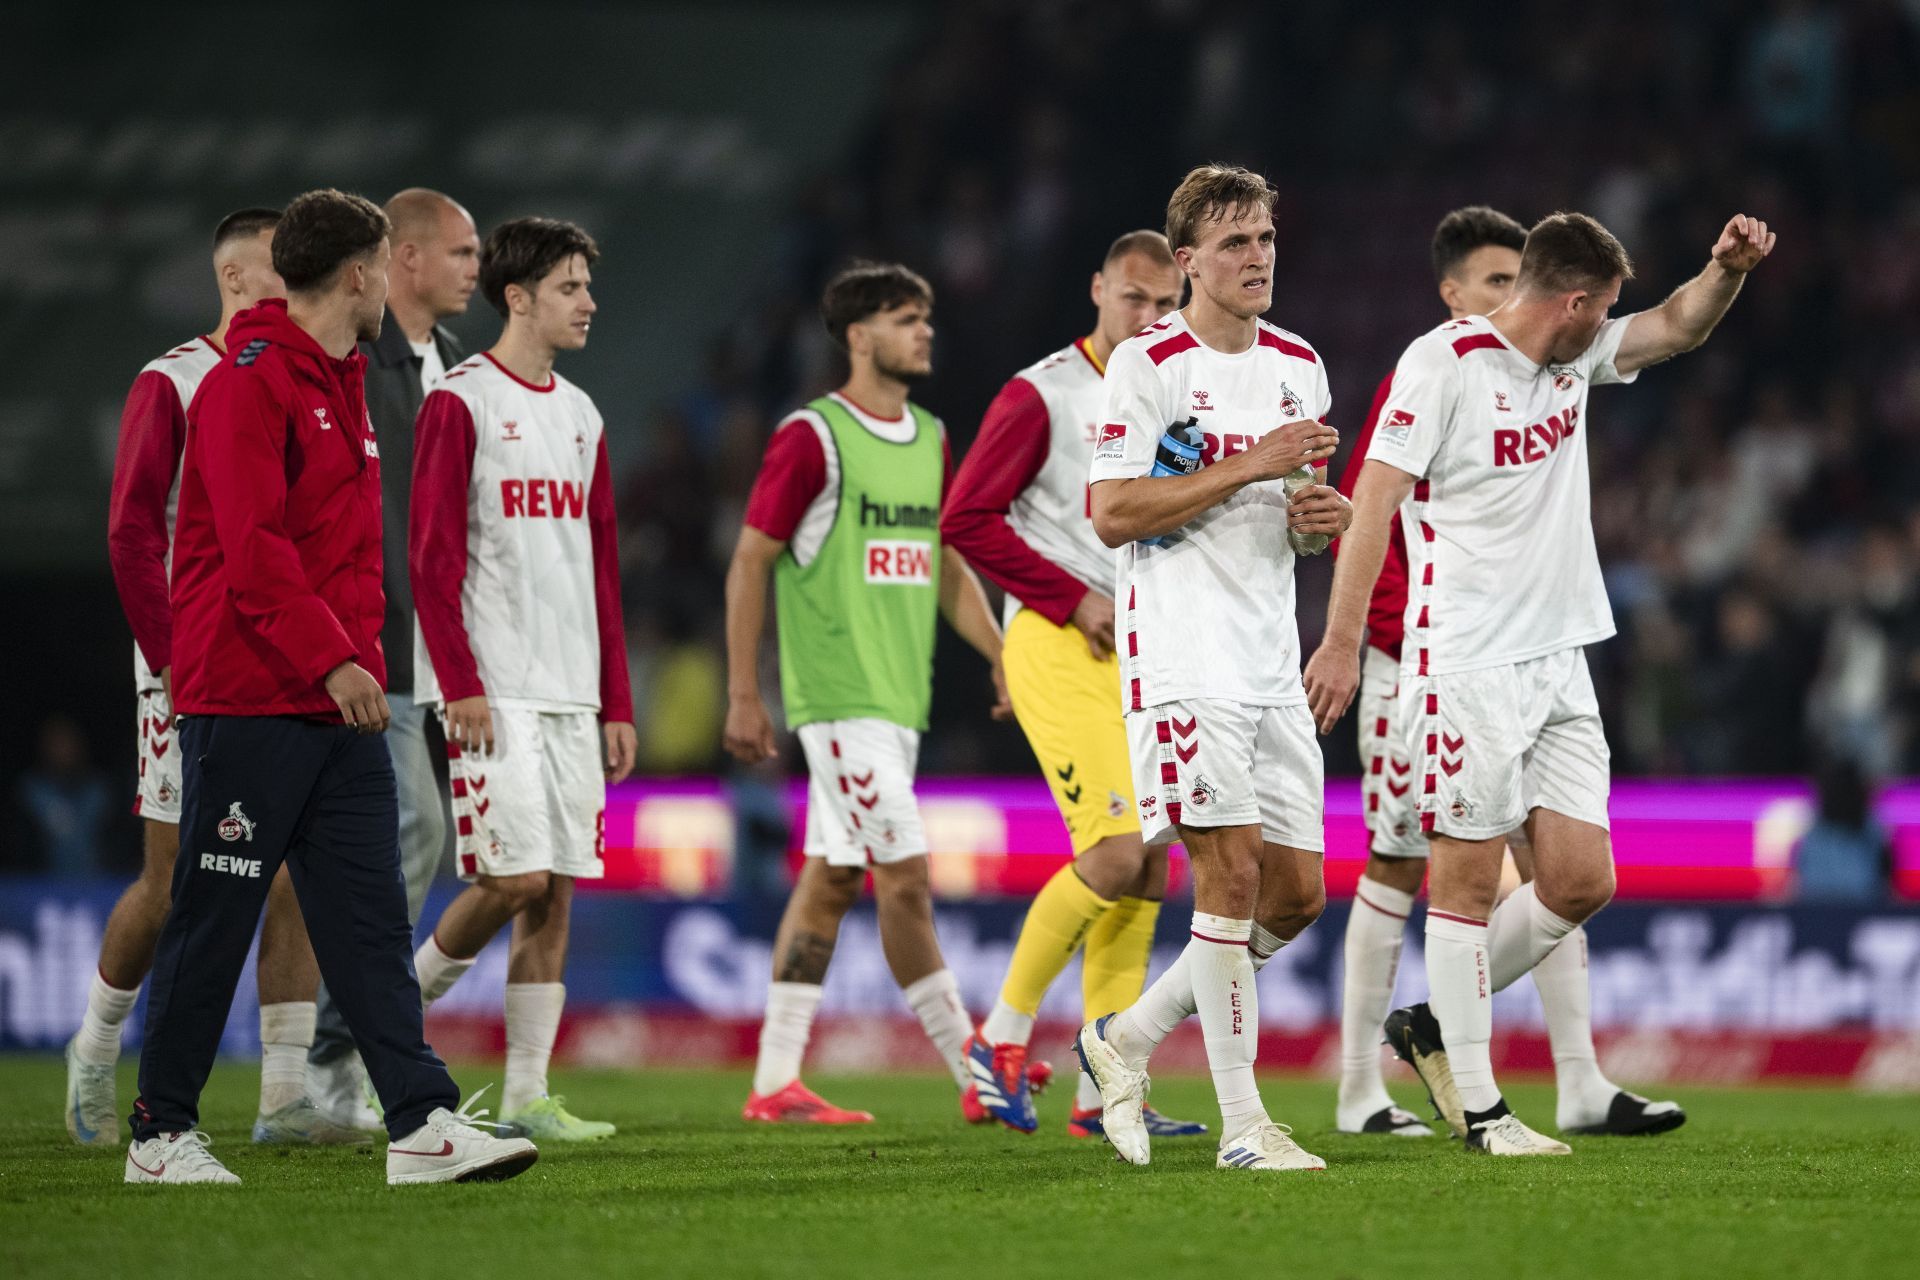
1332 677
1289 447
623 744
359 697
1742 243
470 724
1319 508
1094 616
1002 700
748 735
166 682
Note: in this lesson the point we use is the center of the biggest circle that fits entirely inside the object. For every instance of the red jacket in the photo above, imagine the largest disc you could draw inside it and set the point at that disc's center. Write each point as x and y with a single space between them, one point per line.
276 556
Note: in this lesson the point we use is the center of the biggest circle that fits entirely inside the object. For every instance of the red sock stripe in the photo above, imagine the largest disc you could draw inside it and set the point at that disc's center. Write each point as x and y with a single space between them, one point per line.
1225 942
1448 915
1358 896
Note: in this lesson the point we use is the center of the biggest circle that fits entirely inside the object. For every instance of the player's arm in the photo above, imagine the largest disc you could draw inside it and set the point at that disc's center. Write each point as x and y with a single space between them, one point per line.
792 475
1147 506
1690 312
153 431
964 605
616 690
443 444
1333 673
1007 454
238 446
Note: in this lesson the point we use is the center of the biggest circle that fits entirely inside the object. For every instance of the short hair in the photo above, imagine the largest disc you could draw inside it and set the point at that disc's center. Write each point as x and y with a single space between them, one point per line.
1214 191
1569 251
1150 244
522 251
1474 227
866 289
319 231
242 223
414 211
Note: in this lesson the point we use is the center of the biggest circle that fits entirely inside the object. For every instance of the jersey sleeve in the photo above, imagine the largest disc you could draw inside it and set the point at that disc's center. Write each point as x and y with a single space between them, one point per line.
1005 457
443 444
1596 362
1419 409
616 692
153 432
792 474
1135 419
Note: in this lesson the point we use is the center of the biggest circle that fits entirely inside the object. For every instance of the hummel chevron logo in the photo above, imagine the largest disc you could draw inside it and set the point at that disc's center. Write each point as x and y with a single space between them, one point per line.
1451 767
1066 774
1398 788
481 806
478 782
1451 743
1399 766
1072 794
862 780
867 802
1185 730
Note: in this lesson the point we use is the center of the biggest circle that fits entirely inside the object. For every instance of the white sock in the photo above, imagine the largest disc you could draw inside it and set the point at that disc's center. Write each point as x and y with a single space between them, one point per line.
935 1000
1007 1025
1223 992
1086 1095
1462 999
533 1023
107 1007
286 1033
1136 1032
1566 998
1520 935
783 1035
1263 945
1375 930
437 970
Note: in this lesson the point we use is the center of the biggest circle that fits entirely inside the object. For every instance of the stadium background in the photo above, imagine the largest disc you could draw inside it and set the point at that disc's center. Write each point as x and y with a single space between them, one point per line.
1758 504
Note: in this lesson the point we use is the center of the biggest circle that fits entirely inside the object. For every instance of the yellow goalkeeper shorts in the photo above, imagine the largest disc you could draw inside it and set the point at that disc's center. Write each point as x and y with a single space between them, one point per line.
1069 706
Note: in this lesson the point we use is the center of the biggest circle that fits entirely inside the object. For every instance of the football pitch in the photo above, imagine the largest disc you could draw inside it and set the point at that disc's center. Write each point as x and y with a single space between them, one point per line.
1760 1182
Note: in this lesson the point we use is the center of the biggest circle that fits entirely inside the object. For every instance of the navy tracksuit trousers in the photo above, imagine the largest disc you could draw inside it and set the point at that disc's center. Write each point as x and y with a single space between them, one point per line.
259 790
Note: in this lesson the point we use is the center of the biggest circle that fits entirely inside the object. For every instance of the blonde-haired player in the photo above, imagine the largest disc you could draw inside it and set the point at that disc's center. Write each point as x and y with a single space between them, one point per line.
1018 512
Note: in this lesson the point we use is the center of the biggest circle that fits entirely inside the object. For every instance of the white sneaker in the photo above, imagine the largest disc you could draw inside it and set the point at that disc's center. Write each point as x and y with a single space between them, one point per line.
1123 1091
300 1122
451 1147
1266 1146
339 1092
1505 1136
93 1114
176 1157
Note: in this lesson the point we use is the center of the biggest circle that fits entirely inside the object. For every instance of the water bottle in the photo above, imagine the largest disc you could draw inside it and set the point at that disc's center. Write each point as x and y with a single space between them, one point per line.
1177 455
1304 544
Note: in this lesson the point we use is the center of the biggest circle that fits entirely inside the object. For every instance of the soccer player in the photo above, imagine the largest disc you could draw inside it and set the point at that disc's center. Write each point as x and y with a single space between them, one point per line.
516 579
1480 448
146 477
1018 513
1476 255
1223 752
844 517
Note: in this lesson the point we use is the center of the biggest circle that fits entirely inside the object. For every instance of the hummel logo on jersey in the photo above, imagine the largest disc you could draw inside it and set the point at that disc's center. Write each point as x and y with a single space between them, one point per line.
236 825
580 443
510 430
321 414
1200 400
233 866
1500 402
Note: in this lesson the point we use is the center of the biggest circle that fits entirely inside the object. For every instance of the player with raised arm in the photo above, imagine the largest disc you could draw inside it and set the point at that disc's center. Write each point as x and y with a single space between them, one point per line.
1480 450
1213 418
516 584
844 518
1476 256
1018 513
146 486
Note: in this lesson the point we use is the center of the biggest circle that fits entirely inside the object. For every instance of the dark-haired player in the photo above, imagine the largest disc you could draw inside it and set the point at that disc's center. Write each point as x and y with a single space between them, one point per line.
844 518
517 590
146 478
1481 450
1476 255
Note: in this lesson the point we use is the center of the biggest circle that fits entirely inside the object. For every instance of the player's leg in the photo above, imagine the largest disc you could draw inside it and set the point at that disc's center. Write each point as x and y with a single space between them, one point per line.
289 977
903 898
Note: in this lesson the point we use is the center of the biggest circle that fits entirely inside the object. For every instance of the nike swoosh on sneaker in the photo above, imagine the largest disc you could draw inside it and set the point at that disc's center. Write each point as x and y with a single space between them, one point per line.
446 1149
151 1173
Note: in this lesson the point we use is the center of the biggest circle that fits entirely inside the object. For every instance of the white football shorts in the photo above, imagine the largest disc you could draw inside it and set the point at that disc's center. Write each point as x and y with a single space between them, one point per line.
157 795
1207 762
538 803
1493 745
1387 781
861 808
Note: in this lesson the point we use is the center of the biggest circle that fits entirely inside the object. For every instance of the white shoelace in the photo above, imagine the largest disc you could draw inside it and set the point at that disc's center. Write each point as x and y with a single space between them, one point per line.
189 1151
1509 1127
466 1118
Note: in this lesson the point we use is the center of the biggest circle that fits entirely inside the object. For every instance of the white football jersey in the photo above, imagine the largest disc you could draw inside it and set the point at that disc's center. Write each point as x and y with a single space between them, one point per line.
528 596
1499 530
185 367
1051 515
1209 613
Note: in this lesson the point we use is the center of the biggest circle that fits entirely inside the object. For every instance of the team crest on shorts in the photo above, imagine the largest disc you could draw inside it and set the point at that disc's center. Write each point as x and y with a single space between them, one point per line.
166 793
236 825
1203 793
1116 807
1460 808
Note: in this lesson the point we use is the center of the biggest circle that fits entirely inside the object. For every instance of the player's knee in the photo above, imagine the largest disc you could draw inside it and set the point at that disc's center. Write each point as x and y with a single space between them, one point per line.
517 893
1593 893
837 888
1288 920
1404 874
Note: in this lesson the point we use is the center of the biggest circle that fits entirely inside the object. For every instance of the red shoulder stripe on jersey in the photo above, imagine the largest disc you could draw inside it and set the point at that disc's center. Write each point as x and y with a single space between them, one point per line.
1270 339
1477 342
1161 352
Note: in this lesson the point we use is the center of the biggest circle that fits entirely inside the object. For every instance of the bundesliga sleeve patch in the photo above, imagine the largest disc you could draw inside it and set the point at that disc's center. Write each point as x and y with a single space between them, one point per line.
1113 441
1397 426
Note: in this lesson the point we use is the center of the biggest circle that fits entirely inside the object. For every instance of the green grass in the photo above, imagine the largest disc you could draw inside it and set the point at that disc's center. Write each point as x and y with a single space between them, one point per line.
1759 1183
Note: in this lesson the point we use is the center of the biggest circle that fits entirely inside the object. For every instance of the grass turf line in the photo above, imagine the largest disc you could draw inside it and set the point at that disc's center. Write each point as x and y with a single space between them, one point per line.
1760 1182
